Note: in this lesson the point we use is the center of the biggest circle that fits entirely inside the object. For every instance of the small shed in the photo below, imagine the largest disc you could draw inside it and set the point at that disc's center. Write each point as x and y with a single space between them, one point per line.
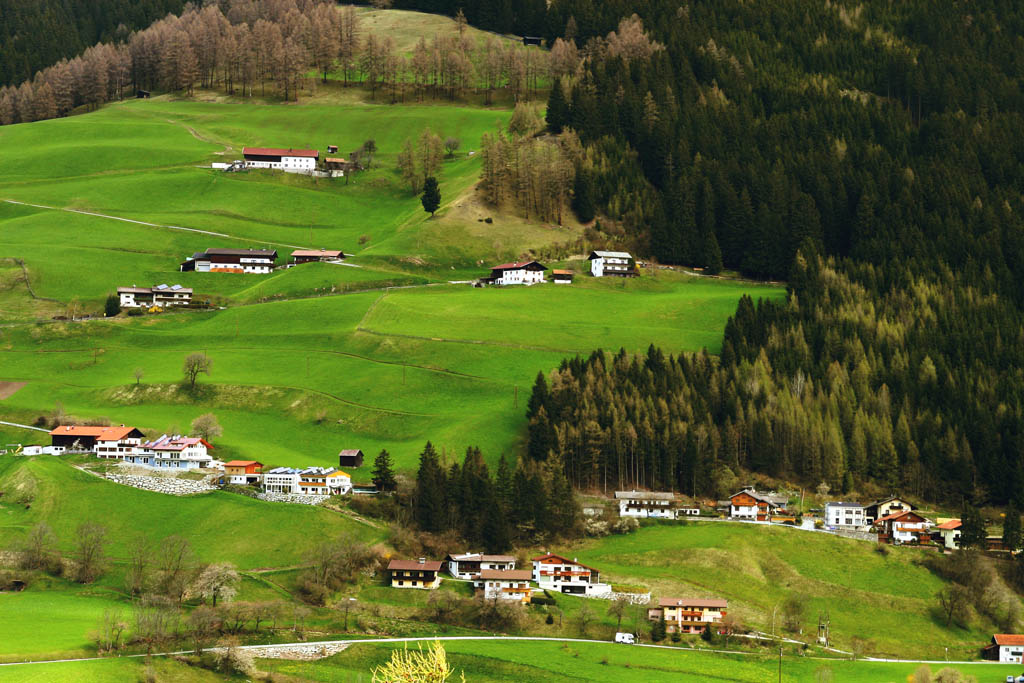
532 40
142 94
350 457
562 277
332 149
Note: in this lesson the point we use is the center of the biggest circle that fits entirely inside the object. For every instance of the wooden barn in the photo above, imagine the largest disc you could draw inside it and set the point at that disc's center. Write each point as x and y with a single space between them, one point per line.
350 457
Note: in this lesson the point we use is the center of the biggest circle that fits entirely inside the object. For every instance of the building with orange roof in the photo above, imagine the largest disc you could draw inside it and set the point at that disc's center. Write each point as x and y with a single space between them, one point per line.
243 472
105 442
1007 648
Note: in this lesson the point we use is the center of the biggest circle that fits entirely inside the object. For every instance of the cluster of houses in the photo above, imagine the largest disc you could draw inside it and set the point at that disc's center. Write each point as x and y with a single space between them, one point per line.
129 445
253 261
496 576
602 264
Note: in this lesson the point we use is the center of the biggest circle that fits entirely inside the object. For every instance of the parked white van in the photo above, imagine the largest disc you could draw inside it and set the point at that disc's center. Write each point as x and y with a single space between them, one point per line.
627 638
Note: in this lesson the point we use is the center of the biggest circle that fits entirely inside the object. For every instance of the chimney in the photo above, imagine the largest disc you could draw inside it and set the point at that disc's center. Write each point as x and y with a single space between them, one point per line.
423 560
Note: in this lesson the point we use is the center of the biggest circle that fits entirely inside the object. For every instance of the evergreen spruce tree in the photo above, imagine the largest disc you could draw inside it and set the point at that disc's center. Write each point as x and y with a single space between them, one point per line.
558 109
972 528
658 630
1012 529
538 397
112 306
541 436
712 255
429 501
503 483
583 196
431 198
384 473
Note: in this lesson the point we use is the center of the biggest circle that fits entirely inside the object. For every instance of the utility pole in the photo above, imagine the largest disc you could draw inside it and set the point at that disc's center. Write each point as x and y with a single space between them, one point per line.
515 397
403 374
780 663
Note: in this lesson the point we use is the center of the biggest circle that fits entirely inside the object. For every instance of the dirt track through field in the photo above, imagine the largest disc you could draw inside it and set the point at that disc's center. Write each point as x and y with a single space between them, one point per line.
8 389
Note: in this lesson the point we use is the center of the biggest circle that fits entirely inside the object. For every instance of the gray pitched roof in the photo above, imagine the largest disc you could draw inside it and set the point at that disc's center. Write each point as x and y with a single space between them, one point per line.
644 495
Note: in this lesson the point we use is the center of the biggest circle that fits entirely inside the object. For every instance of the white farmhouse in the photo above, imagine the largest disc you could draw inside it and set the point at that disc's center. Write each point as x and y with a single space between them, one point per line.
518 273
507 584
161 295
618 263
258 261
655 504
326 481
949 531
468 566
846 515
287 160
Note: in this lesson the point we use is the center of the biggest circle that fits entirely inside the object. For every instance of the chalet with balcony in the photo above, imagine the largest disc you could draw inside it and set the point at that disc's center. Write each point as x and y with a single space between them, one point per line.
415 574
557 573
324 481
177 452
903 527
655 504
948 533
754 505
468 566
688 615
611 263
505 584
885 507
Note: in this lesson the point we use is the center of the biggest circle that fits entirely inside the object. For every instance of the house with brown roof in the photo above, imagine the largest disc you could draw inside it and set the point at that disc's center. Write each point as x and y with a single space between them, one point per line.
419 573
243 472
105 442
562 277
505 584
468 566
752 504
1007 648
688 615
903 527
517 273
287 160
557 573
312 255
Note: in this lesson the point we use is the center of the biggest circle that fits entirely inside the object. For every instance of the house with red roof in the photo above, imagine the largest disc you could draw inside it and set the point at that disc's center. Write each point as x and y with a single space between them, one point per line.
688 615
287 160
903 527
517 273
105 442
1007 648
557 573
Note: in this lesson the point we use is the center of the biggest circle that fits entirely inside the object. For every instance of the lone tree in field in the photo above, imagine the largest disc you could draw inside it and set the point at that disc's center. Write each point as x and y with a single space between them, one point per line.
431 198
384 473
139 374
451 145
206 426
196 363
216 581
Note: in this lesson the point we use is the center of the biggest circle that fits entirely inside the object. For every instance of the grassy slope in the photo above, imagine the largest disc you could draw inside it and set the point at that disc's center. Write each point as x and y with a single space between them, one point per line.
109 671
887 599
529 662
392 386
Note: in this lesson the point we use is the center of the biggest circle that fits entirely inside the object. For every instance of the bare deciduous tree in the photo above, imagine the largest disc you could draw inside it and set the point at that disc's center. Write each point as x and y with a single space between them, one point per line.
39 550
139 374
206 426
216 581
176 562
90 542
196 364
140 563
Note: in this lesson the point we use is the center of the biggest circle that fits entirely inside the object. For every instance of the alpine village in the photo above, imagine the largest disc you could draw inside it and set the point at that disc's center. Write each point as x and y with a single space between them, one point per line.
511 340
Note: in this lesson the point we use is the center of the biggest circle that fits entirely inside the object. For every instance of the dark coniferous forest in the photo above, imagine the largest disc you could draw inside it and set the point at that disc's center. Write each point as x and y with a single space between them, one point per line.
35 34
882 142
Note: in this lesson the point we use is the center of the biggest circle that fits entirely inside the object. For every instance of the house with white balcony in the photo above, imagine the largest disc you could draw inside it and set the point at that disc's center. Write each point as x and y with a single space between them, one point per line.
241 261
517 273
468 566
173 452
615 263
317 481
505 584
644 504
903 527
755 505
557 573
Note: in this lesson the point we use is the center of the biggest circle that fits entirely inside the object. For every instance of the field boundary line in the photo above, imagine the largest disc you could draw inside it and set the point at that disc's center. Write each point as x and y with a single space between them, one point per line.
479 342
148 224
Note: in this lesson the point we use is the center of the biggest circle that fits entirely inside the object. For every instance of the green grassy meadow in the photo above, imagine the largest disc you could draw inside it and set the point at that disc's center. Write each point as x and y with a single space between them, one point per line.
529 662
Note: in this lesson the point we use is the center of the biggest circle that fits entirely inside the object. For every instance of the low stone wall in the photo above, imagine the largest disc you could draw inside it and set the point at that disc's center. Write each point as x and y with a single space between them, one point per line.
859 535
304 499
306 652
168 485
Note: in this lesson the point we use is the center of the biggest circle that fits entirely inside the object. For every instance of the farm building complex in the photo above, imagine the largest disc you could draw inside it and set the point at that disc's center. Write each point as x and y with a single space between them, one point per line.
287 160
259 261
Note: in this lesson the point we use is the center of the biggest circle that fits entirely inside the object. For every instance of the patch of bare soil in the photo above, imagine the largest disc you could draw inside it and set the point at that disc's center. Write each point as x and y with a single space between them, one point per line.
8 389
